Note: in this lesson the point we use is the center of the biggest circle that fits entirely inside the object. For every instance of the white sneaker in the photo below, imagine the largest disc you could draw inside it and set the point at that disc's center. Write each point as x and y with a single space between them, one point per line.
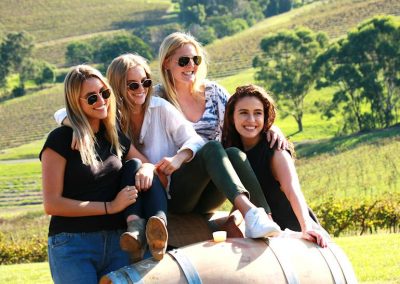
259 225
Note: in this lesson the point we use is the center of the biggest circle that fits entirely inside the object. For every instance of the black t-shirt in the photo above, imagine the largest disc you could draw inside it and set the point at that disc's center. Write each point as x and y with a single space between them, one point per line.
260 159
85 183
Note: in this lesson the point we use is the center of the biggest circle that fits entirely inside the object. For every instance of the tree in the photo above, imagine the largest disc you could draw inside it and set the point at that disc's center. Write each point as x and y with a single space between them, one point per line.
120 44
15 48
285 67
226 25
39 71
365 67
78 53
47 74
192 14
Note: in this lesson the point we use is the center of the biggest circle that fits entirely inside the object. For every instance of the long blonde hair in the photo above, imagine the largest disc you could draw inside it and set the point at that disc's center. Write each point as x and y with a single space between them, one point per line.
167 49
85 136
116 73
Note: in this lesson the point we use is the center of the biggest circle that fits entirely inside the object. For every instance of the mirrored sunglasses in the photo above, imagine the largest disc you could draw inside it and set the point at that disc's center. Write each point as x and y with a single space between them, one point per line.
92 99
184 60
135 85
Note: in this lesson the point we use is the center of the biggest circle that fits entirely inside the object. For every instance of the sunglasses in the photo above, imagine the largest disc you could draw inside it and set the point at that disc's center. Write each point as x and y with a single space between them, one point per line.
135 85
92 99
184 60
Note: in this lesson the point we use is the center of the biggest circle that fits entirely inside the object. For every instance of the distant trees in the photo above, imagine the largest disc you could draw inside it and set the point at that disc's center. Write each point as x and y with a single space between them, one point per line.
285 67
15 48
222 18
104 50
364 67
78 53
16 57
120 44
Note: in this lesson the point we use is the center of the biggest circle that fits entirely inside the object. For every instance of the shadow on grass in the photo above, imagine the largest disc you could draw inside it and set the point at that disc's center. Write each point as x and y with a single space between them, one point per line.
334 145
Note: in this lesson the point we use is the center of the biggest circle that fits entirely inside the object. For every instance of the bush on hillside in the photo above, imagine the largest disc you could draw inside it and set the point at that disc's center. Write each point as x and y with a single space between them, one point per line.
34 250
359 216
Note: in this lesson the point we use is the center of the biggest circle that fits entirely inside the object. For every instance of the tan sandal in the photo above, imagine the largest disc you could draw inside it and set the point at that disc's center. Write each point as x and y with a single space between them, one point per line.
157 237
133 241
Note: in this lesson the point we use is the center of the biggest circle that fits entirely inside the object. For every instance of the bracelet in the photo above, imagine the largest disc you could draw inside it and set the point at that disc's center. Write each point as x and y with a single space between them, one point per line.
105 207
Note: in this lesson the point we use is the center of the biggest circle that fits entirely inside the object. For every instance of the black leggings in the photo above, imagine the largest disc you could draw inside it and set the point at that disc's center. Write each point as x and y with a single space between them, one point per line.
152 202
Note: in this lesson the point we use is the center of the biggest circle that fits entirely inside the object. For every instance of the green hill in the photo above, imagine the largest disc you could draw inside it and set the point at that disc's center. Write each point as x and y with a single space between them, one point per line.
54 24
233 54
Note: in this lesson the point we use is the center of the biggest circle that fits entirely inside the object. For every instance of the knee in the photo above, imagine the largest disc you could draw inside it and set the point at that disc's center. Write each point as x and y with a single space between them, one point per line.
213 147
132 165
235 154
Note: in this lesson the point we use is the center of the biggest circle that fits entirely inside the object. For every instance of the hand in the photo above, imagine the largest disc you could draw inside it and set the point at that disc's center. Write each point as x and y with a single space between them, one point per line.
168 165
124 198
315 236
274 136
144 177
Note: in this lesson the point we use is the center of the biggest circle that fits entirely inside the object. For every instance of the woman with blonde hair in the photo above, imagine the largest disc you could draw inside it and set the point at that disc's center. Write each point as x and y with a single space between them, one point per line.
183 69
81 189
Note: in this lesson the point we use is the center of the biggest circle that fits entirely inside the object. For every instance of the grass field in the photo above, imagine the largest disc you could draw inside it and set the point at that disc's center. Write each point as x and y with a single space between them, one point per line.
375 259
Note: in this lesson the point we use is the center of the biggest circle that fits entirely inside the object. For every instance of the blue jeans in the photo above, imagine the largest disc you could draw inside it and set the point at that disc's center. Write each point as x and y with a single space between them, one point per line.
85 257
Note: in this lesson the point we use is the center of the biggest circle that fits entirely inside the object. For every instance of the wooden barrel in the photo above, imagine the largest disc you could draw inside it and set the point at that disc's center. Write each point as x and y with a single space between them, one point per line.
274 260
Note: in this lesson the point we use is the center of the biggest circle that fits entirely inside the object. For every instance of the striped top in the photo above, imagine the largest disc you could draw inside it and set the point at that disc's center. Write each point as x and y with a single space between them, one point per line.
209 126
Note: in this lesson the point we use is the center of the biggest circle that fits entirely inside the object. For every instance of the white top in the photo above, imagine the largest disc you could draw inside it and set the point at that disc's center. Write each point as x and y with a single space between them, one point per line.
164 132
209 126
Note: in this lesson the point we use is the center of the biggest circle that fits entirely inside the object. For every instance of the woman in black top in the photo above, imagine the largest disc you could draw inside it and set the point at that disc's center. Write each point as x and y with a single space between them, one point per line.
250 112
81 189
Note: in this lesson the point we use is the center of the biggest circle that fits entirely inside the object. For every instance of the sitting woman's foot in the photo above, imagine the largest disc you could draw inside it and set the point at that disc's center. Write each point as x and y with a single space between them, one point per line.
133 240
231 225
258 224
157 237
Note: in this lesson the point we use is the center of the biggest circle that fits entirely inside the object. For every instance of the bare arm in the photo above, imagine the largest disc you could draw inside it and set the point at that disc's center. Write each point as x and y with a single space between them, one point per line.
284 171
53 170
168 165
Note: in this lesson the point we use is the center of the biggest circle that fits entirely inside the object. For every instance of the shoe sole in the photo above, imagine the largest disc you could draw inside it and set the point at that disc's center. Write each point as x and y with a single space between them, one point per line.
157 237
131 245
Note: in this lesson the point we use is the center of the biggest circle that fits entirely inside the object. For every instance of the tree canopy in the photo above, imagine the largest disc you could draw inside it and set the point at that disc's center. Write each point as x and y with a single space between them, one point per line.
285 67
365 67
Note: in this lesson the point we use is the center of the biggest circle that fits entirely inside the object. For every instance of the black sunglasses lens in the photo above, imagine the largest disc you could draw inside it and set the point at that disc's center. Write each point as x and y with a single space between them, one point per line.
133 86
92 99
197 60
105 94
146 83
183 61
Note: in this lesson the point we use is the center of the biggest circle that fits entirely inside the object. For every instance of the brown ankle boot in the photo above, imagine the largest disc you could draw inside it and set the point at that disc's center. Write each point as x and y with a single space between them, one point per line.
157 237
133 240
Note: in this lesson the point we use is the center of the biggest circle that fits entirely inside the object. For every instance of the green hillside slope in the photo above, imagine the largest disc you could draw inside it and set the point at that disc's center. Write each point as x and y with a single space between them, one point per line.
56 23
233 54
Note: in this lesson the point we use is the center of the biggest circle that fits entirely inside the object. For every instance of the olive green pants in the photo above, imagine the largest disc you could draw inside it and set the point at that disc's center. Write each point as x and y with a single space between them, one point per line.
213 175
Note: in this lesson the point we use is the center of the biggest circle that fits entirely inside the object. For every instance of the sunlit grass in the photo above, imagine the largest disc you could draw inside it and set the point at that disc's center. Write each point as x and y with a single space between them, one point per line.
28 273
375 258
26 151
